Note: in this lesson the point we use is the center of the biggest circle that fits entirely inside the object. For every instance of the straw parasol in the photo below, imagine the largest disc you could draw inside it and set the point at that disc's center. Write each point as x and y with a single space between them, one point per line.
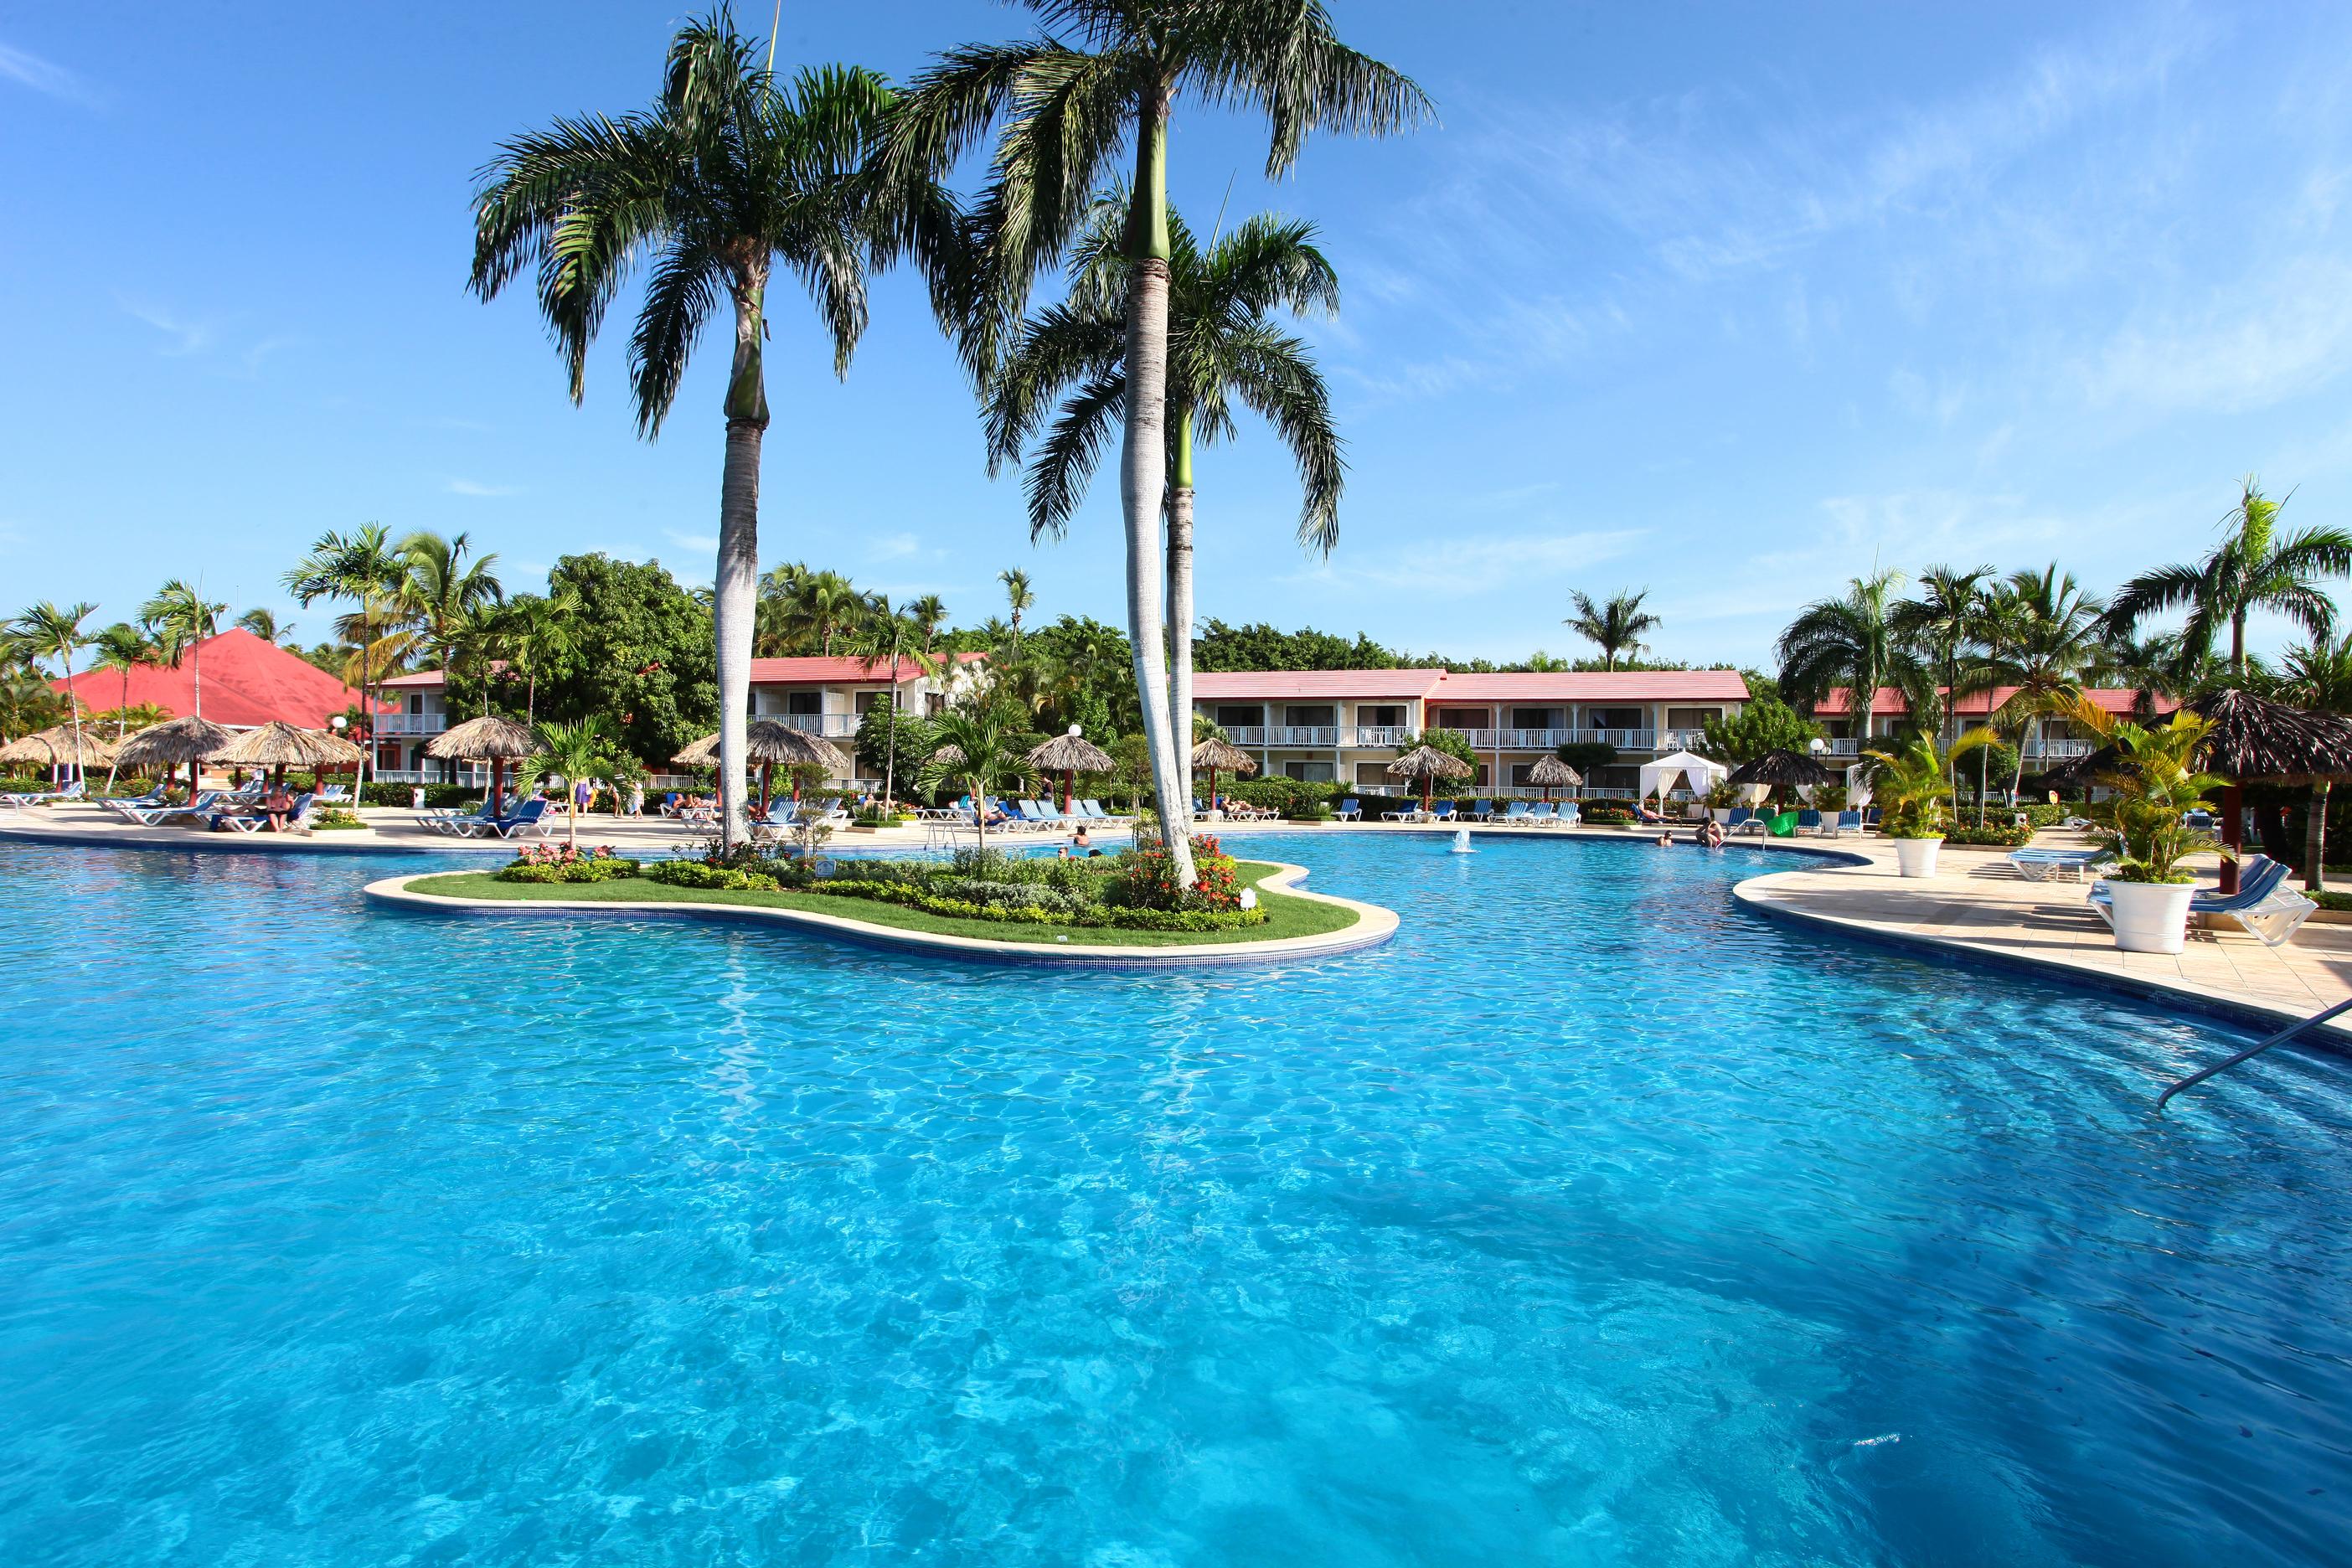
279 745
1070 755
2256 740
176 741
767 742
1552 773
48 748
1217 752
1428 765
488 739
1779 769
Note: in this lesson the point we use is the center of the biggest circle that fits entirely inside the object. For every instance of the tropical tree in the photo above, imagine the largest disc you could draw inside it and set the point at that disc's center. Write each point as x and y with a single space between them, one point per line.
1018 598
802 610
2051 638
880 640
122 648
27 702
362 567
2318 676
2255 567
263 622
1944 621
729 175
1616 628
539 633
585 749
1105 79
1223 346
928 615
441 593
53 629
1851 642
984 744
180 618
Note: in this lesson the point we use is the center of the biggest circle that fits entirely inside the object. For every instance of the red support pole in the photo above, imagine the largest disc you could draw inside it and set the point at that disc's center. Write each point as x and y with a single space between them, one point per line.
2234 816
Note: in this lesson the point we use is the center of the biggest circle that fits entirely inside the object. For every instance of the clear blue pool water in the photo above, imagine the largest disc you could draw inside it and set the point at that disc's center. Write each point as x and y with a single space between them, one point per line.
1590 1222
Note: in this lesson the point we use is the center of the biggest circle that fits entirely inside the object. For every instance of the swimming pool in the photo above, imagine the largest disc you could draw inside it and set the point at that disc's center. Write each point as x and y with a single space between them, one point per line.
1589 1221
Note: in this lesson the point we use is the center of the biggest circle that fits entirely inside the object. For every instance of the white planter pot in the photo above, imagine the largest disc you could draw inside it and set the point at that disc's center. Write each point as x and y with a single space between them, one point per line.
2151 917
1916 856
1722 813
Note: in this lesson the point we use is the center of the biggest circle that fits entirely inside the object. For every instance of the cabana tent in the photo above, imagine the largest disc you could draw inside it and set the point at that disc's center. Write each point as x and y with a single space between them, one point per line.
1679 767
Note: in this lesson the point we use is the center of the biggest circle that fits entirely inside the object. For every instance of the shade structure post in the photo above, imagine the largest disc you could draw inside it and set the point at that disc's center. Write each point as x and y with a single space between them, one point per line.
2233 834
768 786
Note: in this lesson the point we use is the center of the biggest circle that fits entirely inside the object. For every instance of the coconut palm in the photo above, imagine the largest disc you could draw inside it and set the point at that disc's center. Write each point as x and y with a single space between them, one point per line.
122 648
181 618
441 593
1615 627
540 633
1851 642
729 175
1017 599
2255 567
2318 676
881 640
802 610
929 614
263 622
2052 640
50 628
1103 80
985 746
362 567
1945 620
1223 346
584 750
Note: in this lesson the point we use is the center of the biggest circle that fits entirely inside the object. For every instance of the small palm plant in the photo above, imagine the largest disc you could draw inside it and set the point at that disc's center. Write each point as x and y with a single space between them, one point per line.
2157 783
582 750
983 748
1915 784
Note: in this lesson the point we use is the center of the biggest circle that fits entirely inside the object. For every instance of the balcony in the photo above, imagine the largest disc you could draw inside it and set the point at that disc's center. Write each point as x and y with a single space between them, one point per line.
832 726
1302 735
388 724
2035 751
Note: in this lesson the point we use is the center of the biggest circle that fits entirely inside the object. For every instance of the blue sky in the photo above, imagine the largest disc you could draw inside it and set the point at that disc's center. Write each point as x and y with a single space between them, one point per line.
1727 301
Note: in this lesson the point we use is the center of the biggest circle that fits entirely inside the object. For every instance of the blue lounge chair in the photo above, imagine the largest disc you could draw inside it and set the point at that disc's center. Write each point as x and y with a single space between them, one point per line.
241 818
1442 811
74 791
1571 814
1809 821
1483 810
446 823
2041 865
1350 810
1543 814
1744 820
1847 822
1516 810
525 816
2258 888
151 816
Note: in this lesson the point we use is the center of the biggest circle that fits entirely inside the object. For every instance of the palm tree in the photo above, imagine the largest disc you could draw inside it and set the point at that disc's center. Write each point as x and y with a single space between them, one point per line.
440 592
122 648
731 174
2150 668
1850 642
540 633
363 567
1223 346
880 639
1017 599
181 619
582 750
1616 628
982 744
928 613
1067 112
1945 619
2255 567
263 624
2318 676
49 629
801 609
2053 638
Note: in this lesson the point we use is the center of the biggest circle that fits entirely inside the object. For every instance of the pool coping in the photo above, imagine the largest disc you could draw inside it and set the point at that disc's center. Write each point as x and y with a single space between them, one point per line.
1374 926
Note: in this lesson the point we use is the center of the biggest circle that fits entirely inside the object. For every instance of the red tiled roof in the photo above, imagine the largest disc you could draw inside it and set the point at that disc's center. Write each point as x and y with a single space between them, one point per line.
1596 686
819 670
1316 682
1890 700
247 682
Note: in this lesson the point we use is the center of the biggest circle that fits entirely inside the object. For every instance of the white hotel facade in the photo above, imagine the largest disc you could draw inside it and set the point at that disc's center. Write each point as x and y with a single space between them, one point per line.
1345 725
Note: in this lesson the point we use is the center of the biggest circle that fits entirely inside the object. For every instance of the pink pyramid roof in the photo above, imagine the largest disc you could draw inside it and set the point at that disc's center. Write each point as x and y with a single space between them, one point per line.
247 682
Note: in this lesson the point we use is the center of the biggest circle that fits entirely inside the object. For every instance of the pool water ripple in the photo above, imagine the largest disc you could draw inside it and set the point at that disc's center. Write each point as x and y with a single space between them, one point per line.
1590 1221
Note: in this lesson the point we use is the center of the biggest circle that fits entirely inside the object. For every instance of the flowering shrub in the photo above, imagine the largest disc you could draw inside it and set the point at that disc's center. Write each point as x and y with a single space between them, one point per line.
563 863
1144 877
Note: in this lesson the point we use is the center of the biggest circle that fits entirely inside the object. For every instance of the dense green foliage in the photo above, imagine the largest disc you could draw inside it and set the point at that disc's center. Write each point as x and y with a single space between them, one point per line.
1762 726
640 654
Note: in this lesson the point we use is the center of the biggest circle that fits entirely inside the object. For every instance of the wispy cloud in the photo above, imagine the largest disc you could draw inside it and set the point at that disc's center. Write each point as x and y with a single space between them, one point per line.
1472 564
701 543
893 547
2277 337
186 336
47 76
459 487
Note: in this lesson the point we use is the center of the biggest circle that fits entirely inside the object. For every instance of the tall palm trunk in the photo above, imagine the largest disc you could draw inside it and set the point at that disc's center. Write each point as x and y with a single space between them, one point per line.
1143 467
1180 613
735 599
121 722
2314 837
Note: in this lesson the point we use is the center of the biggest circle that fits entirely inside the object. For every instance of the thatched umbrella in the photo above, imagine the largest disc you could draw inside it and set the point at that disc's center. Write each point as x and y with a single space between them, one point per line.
1218 752
1428 765
176 741
50 747
1070 755
277 745
1552 773
488 739
1779 769
769 742
2255 739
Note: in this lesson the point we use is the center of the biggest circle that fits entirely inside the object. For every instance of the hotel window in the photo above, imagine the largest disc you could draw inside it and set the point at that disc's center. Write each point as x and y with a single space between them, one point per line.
1535 719
803 703
1691 717
1374 775
1463 718
1238 716
934 704
1615 718
1381 716
1308 773
1303 717
866 702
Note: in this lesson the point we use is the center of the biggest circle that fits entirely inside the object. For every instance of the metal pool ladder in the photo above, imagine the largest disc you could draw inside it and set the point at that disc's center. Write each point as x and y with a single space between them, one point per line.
2282 1037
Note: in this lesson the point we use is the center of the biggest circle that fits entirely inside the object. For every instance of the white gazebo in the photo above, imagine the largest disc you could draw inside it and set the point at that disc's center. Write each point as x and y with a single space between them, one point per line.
1679 767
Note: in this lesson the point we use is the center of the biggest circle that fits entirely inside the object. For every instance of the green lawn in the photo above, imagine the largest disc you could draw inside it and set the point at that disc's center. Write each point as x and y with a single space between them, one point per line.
1289 916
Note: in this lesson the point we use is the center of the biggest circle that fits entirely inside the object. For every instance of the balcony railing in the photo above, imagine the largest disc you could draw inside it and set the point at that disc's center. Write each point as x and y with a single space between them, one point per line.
411 724
833 726
2051 749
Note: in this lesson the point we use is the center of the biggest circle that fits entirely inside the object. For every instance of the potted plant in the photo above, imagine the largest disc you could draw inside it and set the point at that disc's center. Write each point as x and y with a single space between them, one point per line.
1722 797
1910 787
2157 783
